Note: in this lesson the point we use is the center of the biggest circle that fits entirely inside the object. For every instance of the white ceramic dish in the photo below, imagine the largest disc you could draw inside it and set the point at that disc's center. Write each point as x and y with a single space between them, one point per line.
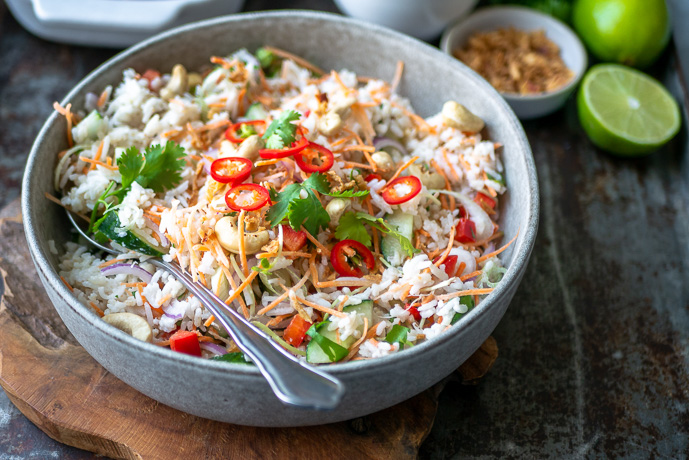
112 23
423 19
571 49
237 393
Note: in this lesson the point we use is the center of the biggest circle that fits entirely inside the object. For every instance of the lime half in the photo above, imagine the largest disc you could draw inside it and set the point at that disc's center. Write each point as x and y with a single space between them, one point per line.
625 111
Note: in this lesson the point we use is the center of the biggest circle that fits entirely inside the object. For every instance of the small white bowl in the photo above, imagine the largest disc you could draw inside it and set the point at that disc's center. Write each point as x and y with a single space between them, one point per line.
423 19
571 49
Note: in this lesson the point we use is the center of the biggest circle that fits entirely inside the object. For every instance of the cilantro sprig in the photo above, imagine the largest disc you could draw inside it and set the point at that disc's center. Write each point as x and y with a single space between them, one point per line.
291 205
282 132
352 227
158 168
348 194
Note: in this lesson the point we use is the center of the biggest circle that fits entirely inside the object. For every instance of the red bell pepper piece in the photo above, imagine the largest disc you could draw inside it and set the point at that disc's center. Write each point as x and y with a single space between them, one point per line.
486 202
414 312
296 330
292 240
185 342
466 231
450 265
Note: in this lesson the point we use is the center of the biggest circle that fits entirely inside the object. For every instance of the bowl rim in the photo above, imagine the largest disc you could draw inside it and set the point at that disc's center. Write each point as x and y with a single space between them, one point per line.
521 249
520 12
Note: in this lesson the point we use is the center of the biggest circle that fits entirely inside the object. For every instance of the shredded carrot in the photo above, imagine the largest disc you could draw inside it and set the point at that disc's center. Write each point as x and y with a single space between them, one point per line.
240 299
98 310
241 287
69 286
403 167
363 120
110 262
447 183
368 334
469 275
455 175
359 147
103 98
461 268
398 76
449 247
317 243
96 157
166 343
209 321
495 253
267 162
98 163
136 285
341 141
337 78
69 117
315 306
352 164
416 118
300 61
463 293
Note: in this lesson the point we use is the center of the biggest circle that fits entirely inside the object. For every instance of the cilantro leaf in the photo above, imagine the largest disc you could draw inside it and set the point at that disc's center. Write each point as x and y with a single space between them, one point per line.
351 224
282 132
299 211
162 167
349 194
352 228
130 164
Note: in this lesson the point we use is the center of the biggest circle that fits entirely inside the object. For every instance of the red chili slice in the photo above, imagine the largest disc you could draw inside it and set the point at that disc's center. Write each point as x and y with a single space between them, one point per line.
296 147
231 132
292 240
150 75
391 196
466 231
247 197
450 265
342 258
231 170
373 176
312 151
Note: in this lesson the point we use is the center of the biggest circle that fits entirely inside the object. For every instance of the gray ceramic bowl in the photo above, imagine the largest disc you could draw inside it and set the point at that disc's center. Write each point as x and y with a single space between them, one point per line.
237 393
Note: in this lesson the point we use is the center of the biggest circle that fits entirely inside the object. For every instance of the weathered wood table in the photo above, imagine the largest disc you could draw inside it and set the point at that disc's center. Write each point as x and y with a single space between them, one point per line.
594 350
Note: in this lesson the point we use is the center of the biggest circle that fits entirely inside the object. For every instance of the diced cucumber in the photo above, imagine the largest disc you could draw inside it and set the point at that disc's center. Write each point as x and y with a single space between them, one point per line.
234 357
315 351
256 111
90 127
390 246
322 348
109 227
464 300
365 308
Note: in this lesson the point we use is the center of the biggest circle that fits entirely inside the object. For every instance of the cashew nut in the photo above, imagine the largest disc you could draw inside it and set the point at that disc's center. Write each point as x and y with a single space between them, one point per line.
177 84
132 324
227 149
342 107
457 116
432 180
330 123
383 160
228 237
219 284
250 147
335 209
194 79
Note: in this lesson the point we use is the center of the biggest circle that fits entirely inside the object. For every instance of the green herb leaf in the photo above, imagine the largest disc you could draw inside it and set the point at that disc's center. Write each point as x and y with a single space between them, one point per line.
299 211
162 167
130 164
348 194
282 132
464 300
235 357
352 228
398 334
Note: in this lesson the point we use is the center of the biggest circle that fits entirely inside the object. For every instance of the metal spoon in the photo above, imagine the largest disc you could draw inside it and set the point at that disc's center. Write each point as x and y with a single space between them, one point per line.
292 381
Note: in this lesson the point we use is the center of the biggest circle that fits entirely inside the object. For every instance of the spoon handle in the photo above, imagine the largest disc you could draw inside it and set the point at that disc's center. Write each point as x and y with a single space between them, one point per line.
292 381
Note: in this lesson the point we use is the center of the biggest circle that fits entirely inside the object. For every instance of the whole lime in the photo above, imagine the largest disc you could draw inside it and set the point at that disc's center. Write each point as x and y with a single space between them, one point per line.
631 32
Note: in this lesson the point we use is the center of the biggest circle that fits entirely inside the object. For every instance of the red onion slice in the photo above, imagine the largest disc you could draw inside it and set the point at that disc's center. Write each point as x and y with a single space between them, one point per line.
213 348
127 269
382 142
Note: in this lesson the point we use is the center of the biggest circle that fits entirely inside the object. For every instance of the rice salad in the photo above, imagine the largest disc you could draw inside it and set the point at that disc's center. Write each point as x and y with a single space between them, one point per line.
317 204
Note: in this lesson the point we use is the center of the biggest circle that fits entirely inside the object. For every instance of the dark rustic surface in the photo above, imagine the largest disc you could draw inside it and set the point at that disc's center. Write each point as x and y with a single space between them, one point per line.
594 350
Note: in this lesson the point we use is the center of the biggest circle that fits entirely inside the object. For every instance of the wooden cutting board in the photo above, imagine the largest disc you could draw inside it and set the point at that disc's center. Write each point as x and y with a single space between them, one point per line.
68 395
